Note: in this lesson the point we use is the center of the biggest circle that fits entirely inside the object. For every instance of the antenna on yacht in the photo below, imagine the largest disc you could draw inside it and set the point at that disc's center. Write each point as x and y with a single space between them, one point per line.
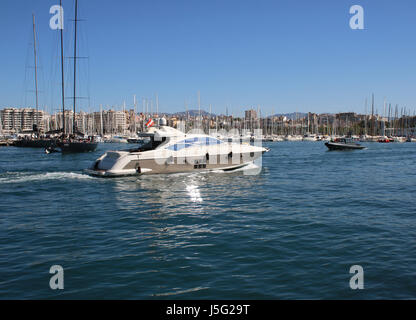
162 122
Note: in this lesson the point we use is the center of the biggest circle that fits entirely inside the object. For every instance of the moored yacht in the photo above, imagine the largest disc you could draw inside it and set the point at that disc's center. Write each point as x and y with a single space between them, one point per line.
171 151
75 142
293 138
77 145
310 137
116 139
343 144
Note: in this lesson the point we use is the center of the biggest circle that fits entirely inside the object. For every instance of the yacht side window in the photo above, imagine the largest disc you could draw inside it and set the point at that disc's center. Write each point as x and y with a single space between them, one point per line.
210 140
160 143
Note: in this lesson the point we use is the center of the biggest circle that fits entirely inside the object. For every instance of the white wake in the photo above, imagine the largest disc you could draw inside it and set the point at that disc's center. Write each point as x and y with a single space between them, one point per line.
20 177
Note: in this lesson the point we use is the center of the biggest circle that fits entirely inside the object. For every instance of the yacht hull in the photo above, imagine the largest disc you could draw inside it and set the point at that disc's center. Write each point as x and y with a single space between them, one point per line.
77 146
342 146
136 166
158 170
35 143
169 150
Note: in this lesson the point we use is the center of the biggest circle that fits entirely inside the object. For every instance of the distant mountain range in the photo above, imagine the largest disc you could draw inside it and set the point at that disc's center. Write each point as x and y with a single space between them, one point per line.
293 115
194 113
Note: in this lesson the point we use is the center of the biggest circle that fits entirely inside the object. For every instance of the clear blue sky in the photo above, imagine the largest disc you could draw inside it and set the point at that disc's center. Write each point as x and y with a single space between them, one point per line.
284 55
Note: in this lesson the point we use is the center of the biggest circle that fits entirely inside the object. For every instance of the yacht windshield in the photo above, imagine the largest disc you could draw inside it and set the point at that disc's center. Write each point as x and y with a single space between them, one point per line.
149 145
189 142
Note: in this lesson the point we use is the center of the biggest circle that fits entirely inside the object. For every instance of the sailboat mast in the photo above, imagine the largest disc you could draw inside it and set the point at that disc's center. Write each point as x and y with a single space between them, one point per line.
157 105
210 117
75 63
134 119
199 110
372 116
36 68
144 113
62 72
101 121
365 121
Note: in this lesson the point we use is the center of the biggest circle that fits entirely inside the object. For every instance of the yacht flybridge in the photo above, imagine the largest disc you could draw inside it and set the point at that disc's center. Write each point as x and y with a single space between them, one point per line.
171 151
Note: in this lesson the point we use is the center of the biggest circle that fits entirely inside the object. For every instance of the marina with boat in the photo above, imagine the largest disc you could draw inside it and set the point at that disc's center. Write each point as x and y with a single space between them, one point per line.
207 150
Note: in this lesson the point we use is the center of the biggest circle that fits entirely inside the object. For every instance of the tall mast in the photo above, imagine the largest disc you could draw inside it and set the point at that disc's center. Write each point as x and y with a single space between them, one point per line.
199 109
384 118
157 107
365 121
144 113
101 121
135 130
209 118
372 116
75 63
62 71
36 68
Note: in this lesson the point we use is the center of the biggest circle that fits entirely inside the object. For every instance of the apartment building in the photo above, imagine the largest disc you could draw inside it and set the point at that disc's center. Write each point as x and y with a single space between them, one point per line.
14 120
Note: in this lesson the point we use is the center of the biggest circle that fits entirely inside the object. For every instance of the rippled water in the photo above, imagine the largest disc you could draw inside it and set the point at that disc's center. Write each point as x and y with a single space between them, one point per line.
291 232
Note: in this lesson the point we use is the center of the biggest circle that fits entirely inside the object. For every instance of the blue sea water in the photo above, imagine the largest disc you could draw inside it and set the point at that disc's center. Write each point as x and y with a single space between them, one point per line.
291 232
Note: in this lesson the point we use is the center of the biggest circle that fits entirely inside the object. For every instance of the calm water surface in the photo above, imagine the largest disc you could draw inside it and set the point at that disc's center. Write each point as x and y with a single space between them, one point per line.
291 232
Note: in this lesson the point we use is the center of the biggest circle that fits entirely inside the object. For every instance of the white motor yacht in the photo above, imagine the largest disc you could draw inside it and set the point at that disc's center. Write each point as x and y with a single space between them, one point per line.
171 151
278 139
293 138
116 139
310 137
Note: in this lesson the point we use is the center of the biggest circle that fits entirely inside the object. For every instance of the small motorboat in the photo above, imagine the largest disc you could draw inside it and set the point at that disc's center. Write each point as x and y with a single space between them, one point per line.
385 140
51 150
343 144
134 140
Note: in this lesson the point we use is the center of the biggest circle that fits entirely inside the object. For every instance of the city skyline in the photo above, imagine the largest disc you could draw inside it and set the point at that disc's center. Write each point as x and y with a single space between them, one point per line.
23 121
297 58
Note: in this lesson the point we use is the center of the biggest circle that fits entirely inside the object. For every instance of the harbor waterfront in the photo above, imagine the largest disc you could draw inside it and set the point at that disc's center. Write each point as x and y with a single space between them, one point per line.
291 232
119 121
212 153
